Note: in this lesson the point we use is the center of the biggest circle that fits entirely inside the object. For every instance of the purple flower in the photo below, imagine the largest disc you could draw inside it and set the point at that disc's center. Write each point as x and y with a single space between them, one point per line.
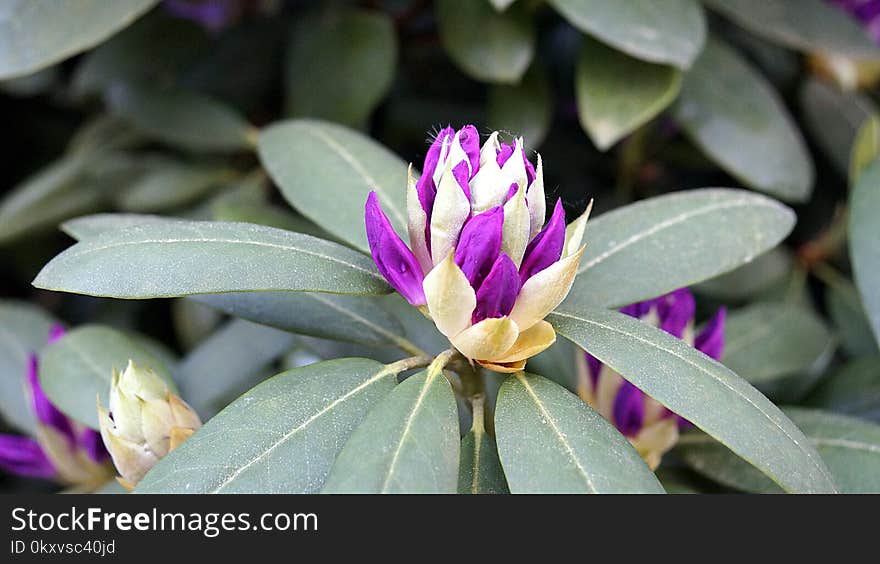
62 450
651 428
865 11
213 15
481 263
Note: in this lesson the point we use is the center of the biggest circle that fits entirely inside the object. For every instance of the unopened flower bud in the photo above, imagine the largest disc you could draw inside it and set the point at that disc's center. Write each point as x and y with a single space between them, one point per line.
144 423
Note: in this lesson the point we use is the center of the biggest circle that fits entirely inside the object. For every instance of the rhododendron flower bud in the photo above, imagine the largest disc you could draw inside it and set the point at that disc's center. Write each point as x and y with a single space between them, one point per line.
144 423
650 427
481 261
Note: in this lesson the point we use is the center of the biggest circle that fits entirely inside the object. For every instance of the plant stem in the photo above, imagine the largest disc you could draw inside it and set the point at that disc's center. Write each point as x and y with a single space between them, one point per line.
405 364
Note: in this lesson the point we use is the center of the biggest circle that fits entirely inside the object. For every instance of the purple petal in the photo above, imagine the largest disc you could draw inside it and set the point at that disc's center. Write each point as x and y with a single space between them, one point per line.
46 412
425 185
460 173
594 367
56 332
479 244
629 409
676 311
503 153
90 441
638 309
213 15
498 292
710 341
511 192
469 139
24 457
546 248
393 258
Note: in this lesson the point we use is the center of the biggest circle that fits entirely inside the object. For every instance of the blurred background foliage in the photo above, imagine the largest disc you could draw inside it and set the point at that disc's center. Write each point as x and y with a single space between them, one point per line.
624 100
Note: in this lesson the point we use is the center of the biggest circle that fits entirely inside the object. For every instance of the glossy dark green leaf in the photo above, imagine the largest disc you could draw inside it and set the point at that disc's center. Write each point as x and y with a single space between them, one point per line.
326 172
550 441
853 389
223 365
487 45
24 330
78 368
753 278
849 446
864 241
524 109
617 94
174 258
409 443
808 25
680 239
340 66
702 391
180 118
669 32
280 437
735 116
37 33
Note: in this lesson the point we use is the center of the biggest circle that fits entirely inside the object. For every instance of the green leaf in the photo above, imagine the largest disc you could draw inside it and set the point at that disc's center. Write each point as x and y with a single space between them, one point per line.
853 389
524 109
340 66
326 172
221 367
669 32
171 186
849 446
733 114
833 118
487 45
679 239
702 391
617 94
864 241
280 437
176 258
807 25
78 368
753 278
846 311
342 318
557 363
769 341
409 443
480 470
865 147
180 118
90 226
24 329
37 33
550 441
47 197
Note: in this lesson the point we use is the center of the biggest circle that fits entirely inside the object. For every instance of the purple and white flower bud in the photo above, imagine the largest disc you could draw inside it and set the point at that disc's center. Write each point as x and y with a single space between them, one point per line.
144 423
481 263
61 450
650 427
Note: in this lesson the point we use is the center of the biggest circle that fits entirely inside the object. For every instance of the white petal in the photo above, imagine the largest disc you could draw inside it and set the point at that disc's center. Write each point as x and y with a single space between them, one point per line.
486 339
449 296
418 220
537 201
544 291
488 188
489 151
536 339
516 227
441 162
574 232
457 154
514 169
451 209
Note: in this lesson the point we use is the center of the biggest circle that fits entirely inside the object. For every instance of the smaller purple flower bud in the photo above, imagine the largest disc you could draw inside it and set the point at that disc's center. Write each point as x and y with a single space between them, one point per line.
47 414
546 248
393 258
629 409
497 294
23 456
710 341
479 245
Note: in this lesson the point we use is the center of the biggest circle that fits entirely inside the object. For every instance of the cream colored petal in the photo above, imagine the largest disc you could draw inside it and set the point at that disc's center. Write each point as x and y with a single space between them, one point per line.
529 343
184 415
417 221
654 410
574 232
457 154
584 381
440 169
488 188
449 296
489 151
516 227
486 339
157 421
451 209
608 384
537 201
655 441
504 368
514 169
544 291
178 435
